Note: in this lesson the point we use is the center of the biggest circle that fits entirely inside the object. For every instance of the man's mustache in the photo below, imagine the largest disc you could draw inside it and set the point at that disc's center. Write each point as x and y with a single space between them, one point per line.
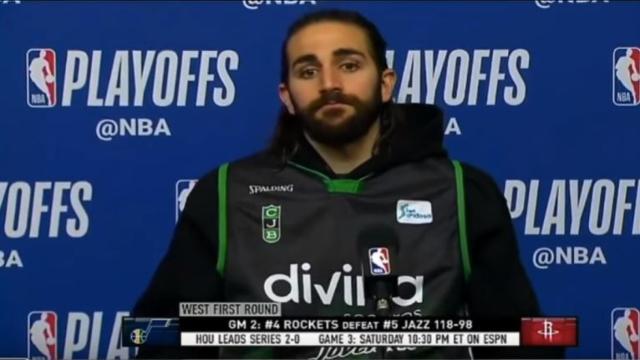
332 97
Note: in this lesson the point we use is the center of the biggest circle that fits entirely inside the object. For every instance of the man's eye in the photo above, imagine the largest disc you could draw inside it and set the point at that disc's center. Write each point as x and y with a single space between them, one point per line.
307 73
350 66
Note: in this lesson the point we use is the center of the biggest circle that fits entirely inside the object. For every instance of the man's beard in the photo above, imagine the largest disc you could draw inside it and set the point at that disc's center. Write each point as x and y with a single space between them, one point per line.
348 130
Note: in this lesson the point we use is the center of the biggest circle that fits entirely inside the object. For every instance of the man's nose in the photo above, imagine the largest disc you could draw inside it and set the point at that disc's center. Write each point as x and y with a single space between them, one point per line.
331 80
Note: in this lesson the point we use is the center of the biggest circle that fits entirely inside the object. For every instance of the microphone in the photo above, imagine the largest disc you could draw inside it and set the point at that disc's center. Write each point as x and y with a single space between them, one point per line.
378 250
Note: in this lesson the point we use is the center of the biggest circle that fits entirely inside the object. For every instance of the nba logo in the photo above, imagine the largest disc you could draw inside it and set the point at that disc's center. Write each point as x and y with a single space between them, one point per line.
626 76
379 261
42 337
183 189
624 333
41 78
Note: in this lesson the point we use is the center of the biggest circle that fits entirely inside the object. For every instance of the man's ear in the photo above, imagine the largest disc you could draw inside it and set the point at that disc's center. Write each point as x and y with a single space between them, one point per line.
285 97
387 83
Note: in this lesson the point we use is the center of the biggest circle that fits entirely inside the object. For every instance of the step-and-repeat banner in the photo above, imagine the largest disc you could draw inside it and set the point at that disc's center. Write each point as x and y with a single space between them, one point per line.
111 110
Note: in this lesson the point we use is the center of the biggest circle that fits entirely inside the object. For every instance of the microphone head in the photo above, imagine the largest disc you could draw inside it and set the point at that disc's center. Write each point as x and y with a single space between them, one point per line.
378 248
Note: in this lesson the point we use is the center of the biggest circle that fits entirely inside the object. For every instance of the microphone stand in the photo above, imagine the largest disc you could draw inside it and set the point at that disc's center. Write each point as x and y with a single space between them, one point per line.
382 301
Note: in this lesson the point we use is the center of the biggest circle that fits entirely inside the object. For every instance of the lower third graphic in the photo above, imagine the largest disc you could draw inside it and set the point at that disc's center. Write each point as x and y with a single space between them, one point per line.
625 323
42 335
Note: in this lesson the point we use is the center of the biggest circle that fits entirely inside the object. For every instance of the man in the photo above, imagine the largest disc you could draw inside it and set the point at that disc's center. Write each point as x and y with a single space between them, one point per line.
282 225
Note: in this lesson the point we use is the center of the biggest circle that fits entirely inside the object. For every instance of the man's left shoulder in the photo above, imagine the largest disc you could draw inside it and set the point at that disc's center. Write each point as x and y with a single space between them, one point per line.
479 181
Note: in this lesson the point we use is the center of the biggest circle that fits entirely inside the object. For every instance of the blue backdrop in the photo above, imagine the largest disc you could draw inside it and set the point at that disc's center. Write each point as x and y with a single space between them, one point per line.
110 109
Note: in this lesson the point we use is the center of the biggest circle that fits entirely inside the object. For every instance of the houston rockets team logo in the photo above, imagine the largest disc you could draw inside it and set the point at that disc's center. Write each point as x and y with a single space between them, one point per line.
625 324
41 78
43 334
626 76
549 331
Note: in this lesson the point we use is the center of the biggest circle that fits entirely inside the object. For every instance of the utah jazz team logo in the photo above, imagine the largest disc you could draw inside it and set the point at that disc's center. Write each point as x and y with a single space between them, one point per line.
271 223
138 336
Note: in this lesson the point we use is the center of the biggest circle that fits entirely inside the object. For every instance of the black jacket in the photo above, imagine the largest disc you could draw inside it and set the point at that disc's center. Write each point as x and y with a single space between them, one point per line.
498 286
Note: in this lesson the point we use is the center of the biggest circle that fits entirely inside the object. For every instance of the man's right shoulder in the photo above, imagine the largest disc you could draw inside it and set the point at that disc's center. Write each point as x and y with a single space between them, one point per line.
205 192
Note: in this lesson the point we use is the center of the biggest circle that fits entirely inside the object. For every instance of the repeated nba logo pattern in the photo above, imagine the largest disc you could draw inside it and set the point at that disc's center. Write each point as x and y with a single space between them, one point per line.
42 333
625 325
41 78
626 76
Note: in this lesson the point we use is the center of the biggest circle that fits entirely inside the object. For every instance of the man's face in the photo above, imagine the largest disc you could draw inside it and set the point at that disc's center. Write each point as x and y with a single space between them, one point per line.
334 86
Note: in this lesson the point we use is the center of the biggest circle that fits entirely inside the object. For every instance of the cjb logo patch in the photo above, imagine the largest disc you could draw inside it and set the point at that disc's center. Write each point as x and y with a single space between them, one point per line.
271 218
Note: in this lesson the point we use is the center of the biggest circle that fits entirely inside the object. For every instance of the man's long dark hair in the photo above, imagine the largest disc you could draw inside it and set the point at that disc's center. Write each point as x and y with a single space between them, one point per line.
288 132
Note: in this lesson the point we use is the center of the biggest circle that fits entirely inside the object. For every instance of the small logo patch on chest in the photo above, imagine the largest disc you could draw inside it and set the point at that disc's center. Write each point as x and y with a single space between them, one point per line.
271 223
414 212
